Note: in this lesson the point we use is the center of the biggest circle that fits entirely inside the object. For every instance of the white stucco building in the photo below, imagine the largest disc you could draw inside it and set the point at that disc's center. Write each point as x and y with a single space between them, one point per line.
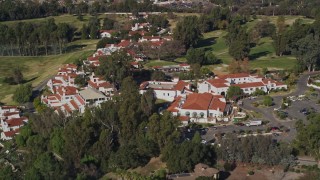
200 107
167 91
248 83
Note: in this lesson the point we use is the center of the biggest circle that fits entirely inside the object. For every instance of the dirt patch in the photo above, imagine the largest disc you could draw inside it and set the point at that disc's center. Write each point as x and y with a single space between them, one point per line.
153 165
265 173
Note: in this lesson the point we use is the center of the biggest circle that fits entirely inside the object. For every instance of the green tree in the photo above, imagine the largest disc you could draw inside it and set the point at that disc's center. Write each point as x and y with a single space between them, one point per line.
195 56
158 76
108 24
84 32
115 67
307 51
234 92
308 136
148 102
80 80
267 101
130 113
23 93
187 31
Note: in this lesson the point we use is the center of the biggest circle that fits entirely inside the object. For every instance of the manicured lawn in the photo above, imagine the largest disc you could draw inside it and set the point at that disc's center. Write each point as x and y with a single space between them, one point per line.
37 69
284 62
262 55
152 63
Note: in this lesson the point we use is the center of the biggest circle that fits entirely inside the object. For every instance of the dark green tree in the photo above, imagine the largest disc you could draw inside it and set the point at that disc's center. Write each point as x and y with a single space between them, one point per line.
234 92
23 93
187 31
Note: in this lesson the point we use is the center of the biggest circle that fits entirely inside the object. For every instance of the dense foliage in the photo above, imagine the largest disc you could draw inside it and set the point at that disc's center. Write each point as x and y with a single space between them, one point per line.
28 39
258 150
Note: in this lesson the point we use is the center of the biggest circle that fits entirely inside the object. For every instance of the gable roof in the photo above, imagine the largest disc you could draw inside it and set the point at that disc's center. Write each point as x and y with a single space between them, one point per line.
180 85
197 101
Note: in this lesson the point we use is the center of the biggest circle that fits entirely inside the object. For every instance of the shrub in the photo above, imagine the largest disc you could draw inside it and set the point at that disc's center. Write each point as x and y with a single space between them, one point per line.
251 172
267 101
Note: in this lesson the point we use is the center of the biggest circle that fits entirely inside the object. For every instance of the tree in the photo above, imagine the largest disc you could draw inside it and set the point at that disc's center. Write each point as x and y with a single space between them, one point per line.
211 59
307 51
23 93
172 49
234 92
104 41
15 77
267 101
108 24
265 28
148 102
308 136
130 113
84 32
281 24
187 31
158 76
162 129
80 80
195 56
115 67
239 50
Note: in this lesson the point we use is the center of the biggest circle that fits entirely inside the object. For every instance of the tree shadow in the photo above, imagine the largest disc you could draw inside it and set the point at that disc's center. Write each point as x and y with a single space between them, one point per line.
224 175
29 80
206 42
258 55
75 47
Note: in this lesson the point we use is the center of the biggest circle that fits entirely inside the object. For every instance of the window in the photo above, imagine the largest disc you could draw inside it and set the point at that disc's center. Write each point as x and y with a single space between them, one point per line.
194 114
168 94
211 114
246 89
187 113
164 94
202 114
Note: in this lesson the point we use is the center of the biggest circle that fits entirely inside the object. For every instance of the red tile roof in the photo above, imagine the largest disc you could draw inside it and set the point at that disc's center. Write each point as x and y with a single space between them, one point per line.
67 108
11 133
9 107
180 85
69 90
108 31
124 43
197 101
174 105
74 104
16 121
81 101
11 113
217 104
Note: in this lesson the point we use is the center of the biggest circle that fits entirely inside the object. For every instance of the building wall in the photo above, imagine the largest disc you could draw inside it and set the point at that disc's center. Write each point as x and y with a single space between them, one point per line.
251 90
203 87
167 95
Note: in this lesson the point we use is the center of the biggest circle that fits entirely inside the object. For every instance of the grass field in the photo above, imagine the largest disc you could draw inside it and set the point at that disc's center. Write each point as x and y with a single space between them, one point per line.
70 19
152 63
37 69
262 55
289 20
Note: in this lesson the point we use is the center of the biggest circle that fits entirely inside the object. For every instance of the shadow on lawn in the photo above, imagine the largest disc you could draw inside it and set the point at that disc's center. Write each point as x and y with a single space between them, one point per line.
206 42
259 54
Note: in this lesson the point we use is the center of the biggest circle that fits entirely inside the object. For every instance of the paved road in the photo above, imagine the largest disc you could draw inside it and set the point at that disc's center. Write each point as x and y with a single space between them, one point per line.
35 93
